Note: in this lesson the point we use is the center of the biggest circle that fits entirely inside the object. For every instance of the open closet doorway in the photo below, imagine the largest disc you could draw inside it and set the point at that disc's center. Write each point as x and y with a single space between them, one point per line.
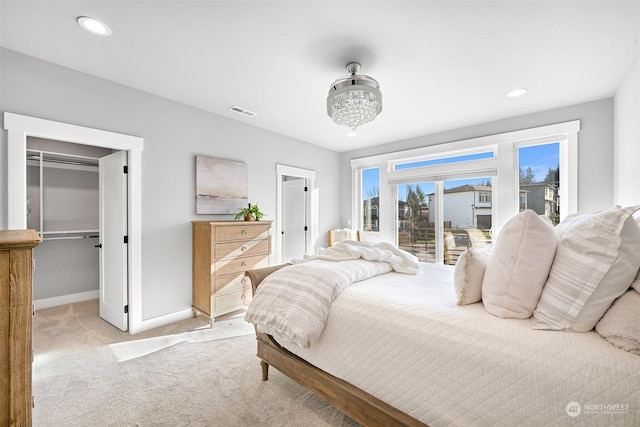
297 214
20 128
294 218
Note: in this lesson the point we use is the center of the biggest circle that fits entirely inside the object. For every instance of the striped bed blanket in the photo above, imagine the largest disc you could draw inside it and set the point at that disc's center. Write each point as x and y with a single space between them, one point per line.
294 301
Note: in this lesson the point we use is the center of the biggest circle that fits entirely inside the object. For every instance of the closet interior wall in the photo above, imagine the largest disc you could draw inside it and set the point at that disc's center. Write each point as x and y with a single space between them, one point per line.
62 206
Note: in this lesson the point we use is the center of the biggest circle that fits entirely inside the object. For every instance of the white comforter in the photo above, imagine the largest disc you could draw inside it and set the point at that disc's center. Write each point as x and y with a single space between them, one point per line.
294 301
403 339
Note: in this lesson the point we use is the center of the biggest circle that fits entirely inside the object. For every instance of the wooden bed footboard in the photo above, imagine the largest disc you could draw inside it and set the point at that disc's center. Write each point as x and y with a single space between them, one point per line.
363 407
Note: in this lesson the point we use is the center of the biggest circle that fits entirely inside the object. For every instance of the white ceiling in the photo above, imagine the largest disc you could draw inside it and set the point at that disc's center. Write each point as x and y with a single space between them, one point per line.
440 64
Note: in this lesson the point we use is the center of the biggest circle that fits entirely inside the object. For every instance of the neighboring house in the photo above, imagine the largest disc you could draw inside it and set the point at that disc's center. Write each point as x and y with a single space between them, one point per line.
466 206
370 209
371 221
542 198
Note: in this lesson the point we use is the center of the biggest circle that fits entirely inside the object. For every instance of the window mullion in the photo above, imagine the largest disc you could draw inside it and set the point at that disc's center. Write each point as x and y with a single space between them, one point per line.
439 223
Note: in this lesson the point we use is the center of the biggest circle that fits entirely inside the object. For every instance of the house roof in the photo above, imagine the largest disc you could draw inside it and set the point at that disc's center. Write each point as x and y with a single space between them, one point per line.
465 188
441 65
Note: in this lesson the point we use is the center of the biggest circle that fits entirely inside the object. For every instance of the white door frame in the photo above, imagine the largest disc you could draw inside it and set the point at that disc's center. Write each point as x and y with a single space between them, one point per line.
19 127
312 205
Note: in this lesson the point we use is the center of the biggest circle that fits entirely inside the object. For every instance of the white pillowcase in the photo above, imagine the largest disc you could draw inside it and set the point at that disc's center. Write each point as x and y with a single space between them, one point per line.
597 258
468 274
519 266
621 323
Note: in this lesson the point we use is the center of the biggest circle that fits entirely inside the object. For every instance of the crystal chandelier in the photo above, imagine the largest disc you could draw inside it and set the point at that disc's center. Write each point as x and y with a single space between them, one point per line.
354 100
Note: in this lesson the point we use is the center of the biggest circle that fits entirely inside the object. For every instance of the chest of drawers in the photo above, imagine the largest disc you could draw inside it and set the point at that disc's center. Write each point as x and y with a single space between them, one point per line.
222 252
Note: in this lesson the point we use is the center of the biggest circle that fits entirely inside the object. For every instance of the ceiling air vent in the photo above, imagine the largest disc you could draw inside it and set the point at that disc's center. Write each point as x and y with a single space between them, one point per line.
242 111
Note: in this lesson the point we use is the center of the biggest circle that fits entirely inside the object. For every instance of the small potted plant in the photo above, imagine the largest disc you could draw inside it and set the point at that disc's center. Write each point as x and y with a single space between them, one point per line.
250 213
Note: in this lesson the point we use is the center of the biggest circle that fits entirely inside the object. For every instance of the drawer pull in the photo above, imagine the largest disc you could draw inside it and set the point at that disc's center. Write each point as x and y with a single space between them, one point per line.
244 232
244 248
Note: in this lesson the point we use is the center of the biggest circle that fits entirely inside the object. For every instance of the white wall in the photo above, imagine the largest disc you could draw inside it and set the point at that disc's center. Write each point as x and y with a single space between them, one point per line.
626 178
173 135
595 149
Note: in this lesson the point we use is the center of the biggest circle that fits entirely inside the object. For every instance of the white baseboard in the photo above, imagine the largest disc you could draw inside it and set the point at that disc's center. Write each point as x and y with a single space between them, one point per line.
166 319
65 299
147 324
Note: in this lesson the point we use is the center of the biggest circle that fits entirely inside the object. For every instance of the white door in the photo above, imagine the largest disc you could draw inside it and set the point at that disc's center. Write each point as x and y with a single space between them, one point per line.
113 229
294 224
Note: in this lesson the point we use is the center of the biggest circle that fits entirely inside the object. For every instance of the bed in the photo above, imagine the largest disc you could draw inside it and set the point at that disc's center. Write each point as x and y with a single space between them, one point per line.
398 349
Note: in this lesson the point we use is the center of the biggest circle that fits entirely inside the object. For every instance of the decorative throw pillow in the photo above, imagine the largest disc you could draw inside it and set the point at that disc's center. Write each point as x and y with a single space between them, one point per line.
597 258
621 323
519 266
468 274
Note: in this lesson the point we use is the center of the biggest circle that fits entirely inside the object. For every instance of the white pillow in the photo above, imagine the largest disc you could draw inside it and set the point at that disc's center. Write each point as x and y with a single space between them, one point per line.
621 323
468 274
597 258
519 266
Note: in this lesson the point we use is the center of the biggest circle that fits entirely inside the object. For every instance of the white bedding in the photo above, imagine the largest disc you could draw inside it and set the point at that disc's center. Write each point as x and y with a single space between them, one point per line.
294 301
403 339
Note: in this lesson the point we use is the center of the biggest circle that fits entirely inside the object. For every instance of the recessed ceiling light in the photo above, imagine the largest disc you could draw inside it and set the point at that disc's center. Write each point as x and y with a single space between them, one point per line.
517 92
94 26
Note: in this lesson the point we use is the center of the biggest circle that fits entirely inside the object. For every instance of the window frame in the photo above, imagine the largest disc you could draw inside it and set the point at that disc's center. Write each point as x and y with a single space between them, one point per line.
502 167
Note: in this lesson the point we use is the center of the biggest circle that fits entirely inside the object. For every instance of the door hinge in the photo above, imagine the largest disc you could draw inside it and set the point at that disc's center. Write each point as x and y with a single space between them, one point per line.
306 228
306 188
126 308
126 239
125 169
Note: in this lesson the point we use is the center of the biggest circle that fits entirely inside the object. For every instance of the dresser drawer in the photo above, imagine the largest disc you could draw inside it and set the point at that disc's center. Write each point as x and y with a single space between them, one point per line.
248 232
232 282
240 265
241 249
232 300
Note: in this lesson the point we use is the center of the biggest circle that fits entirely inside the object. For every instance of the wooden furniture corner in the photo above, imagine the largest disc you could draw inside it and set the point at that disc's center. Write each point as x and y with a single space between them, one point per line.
16 312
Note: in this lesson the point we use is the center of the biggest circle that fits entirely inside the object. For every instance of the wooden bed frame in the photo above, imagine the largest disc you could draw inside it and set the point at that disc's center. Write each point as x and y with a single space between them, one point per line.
356 403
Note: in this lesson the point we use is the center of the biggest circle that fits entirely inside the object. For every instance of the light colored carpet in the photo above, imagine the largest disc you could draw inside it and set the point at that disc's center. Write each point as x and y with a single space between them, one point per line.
228 328
88 373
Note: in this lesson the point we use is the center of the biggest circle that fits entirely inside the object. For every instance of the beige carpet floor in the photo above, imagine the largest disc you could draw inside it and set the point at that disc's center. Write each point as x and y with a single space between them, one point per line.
88 373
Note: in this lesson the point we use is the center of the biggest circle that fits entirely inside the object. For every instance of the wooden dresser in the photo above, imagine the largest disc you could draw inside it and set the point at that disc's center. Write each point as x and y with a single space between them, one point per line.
16 312
222 252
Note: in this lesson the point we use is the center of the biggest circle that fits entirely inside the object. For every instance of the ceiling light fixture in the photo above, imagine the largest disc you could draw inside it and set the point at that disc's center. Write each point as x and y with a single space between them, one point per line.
517 92
354 100
94 26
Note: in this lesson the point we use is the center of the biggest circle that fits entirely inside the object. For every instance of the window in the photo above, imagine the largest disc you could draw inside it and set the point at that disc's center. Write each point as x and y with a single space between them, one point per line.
445 160
427 231
523 200
415 226
425 184
484 197
539 177
370 199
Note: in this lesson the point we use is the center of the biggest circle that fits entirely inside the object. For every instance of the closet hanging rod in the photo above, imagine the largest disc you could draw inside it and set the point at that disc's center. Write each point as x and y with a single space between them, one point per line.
94 231
70 237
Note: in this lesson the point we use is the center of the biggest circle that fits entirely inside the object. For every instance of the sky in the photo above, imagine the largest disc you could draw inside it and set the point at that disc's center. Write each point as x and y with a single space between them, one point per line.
538 157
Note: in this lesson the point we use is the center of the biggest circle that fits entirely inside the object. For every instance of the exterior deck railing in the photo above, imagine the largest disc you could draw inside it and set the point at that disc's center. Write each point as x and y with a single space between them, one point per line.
421 241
